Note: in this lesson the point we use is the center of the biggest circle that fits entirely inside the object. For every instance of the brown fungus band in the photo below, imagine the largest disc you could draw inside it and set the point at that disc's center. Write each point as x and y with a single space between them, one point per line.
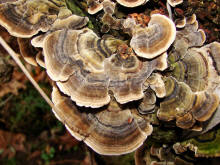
113 130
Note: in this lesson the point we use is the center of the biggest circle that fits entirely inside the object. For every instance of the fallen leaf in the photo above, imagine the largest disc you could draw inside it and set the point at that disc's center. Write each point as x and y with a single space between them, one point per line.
10 143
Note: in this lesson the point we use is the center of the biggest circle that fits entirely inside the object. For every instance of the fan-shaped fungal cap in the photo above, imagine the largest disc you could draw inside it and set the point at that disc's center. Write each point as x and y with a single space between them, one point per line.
94 6
147 104
214 51
187 37
205 105
155 39
7 1
24 18
66 49
108 7
181 22
70 22
185 106
178 101
193 69
156 83
131 3
186 121
173 3
199 68
110 131
86 67
191 19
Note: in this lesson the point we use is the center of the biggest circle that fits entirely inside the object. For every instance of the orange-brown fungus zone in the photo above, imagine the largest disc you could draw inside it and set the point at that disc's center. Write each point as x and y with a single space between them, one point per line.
141 18
124 51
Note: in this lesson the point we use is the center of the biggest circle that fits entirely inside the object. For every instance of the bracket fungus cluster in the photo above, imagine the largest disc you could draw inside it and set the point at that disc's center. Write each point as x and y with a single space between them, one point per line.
158 155
95 6
105 87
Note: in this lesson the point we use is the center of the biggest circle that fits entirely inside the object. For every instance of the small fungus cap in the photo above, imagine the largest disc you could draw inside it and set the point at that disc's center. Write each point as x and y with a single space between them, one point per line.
155 39
94 7
131 3
180 23
173 3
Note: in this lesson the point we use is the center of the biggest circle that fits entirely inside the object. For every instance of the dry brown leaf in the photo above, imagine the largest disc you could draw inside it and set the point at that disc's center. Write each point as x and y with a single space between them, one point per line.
41 75
10 143
17 82
11 87
66 141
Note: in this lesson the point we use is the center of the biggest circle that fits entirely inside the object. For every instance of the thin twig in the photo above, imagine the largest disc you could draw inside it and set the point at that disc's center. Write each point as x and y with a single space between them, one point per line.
18 61
6 100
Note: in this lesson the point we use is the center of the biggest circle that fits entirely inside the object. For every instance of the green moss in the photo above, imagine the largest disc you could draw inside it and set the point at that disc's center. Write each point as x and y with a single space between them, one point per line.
208 144
48 156
11 161
127 159
74 7
163 135
29 113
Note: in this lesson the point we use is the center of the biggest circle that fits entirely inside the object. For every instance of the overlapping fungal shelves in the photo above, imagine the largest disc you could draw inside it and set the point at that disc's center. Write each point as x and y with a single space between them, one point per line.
106 87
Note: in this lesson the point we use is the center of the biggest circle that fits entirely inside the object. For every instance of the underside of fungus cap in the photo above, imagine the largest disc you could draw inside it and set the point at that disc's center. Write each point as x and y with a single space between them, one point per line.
27 50
173 3
155 39
111 130
131 3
